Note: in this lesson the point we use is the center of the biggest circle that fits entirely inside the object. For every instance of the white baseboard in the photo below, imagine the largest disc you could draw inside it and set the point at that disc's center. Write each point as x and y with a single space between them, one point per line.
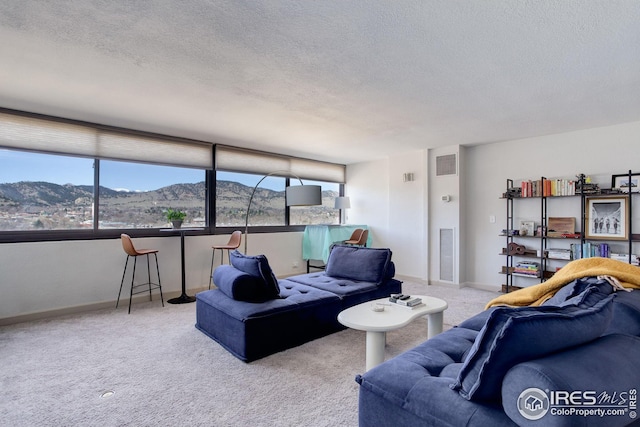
483 287
124 302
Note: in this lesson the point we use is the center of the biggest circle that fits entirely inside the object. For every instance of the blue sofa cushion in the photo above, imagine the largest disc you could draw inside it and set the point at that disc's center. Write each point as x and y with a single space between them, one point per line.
626 314
337 285
568 293
239 285
357 263
514 335
257 266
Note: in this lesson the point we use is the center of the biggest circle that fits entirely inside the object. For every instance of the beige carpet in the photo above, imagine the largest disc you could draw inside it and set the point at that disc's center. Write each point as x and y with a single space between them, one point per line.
164 372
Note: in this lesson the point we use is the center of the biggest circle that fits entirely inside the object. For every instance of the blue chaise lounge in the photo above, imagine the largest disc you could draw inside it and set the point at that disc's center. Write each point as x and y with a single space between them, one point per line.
252 314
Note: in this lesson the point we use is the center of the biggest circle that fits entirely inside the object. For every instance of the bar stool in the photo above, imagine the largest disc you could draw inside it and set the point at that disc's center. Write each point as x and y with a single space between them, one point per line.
233 243
131 251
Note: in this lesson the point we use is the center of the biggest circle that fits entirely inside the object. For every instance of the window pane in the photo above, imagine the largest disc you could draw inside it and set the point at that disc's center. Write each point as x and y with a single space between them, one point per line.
137 195
232 198
325 214
45 192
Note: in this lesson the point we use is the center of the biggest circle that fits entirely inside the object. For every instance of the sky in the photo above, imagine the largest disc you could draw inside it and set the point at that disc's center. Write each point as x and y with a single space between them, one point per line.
16 166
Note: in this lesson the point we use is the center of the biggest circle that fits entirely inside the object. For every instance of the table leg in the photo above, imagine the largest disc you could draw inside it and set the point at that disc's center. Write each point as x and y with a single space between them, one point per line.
183 298
375 348
434 324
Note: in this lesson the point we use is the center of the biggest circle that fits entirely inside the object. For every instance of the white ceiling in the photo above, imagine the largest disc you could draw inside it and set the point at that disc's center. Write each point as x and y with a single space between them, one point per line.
336 80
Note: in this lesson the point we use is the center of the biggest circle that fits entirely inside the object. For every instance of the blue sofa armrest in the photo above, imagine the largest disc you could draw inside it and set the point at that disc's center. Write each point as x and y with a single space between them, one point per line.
572 387
241 286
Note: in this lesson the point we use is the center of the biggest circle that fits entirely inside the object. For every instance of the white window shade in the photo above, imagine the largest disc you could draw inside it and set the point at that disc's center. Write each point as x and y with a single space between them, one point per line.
151 150
50 136
27 133
240 160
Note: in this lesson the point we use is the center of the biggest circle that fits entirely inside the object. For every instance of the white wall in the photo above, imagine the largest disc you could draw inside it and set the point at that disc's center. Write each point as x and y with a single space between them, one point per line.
368 190
475 193
38 277
394 210
48 276
599 152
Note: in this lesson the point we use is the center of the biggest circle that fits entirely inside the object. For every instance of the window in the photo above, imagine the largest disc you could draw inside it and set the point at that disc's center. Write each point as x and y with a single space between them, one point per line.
63 179
238 171
268 205
45 192
137 195
325 214
53 192
233 191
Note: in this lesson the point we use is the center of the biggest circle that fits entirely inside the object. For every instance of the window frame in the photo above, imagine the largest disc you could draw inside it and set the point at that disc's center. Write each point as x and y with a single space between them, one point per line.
97 234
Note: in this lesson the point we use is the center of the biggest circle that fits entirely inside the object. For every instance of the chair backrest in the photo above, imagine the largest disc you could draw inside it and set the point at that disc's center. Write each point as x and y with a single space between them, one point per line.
355 236
127 245
235 239
362 241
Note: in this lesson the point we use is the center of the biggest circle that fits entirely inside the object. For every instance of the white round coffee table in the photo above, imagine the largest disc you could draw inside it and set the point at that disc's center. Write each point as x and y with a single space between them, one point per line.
377 323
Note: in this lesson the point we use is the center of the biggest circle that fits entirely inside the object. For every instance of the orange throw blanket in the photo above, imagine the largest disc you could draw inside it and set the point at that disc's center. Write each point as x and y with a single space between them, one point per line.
627 274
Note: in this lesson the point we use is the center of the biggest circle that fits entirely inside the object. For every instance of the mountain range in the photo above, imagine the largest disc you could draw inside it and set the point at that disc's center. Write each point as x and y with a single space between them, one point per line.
24 205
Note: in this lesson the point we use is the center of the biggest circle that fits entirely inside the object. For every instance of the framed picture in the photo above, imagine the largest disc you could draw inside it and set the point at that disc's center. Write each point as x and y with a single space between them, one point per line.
527 228
607 218
622 183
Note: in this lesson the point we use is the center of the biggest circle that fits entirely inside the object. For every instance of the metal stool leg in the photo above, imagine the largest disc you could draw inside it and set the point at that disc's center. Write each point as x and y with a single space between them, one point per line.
122 281
133 276
159 284
149 278
213 255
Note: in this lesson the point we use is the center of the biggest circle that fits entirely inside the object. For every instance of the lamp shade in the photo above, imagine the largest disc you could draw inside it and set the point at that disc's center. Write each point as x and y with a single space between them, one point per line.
304 195
342 203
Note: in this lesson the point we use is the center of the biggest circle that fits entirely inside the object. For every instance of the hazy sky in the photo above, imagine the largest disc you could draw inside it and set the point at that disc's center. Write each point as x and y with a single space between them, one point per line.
16 166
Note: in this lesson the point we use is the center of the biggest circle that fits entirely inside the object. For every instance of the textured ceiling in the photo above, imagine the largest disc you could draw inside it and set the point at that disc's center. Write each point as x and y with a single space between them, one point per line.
335 80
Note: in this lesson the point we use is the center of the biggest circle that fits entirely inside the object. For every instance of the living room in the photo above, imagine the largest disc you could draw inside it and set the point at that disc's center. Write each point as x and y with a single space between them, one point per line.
563 103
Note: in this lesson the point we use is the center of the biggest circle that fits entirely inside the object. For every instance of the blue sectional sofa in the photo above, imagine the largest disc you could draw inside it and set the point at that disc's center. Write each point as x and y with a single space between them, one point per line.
252 314
570 362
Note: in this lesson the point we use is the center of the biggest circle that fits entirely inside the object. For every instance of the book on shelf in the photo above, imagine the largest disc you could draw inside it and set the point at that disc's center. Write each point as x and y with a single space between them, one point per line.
527 268
557 253
548 187
625 258
589 250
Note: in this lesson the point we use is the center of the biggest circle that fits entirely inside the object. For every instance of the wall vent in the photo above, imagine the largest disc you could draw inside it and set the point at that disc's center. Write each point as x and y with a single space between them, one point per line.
446 165
446 254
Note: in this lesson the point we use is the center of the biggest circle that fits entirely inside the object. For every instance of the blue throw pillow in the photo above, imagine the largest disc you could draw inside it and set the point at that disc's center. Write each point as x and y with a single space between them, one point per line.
258 266
576 288
357 263
239 285
514 335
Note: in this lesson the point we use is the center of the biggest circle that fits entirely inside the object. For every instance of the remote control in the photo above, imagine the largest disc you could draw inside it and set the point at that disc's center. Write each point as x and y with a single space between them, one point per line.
404 297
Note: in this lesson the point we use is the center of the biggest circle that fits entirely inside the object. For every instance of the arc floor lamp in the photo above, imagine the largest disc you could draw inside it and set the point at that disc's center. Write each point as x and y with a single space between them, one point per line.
295 195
